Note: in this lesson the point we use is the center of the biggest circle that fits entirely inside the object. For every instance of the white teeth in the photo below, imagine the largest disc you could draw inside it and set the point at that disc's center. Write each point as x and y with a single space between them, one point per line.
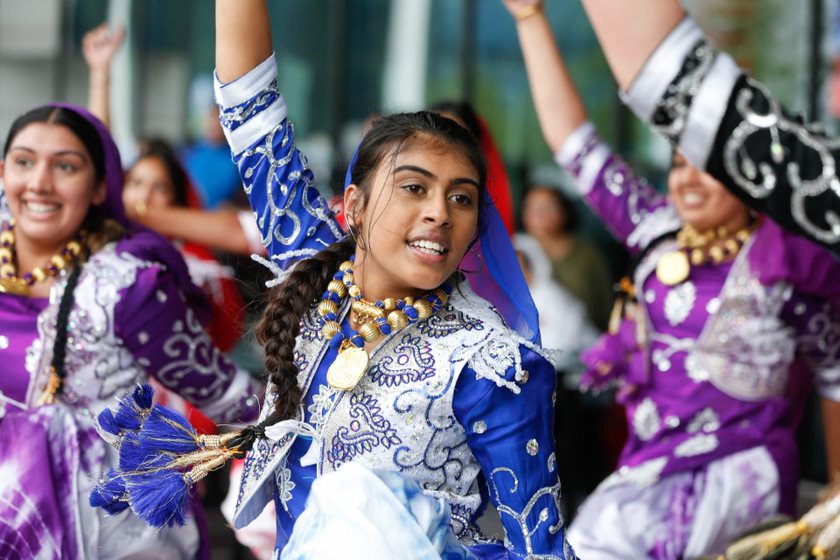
39 208
428 247
692 198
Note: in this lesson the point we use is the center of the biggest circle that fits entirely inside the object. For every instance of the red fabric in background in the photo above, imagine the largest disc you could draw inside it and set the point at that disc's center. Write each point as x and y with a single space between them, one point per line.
498 184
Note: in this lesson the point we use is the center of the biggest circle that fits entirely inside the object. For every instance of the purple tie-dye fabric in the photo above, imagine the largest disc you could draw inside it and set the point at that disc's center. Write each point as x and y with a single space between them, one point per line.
42 453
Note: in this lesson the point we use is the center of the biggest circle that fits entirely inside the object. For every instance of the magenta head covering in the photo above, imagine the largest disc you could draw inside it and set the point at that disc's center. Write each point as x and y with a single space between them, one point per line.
112 207
141 242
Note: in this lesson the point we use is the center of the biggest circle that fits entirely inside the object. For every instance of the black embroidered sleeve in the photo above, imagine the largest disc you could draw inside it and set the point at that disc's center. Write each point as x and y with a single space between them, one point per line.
778 164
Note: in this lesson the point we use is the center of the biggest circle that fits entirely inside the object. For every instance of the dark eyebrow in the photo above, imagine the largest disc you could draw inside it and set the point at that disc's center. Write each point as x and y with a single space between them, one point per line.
61 153
420 170
432 176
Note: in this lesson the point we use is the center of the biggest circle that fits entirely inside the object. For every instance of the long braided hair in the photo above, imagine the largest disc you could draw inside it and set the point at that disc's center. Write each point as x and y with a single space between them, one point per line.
288 302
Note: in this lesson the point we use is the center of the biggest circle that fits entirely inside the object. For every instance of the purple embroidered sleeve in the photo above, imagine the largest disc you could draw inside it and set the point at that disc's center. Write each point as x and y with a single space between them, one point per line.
630 207
167 339
817 326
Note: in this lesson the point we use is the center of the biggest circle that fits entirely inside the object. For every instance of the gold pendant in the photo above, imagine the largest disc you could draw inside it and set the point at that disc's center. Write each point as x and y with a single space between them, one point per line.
14 286
673 268
348 368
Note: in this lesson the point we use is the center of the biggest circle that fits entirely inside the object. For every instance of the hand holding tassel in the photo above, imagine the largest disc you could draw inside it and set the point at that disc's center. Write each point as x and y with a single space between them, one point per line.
161 458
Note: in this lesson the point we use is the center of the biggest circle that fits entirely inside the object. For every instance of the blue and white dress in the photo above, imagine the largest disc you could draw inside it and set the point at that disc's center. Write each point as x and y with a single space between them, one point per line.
458 403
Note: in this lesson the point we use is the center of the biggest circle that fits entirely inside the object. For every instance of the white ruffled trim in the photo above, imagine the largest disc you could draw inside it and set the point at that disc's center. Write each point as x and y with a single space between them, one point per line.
707 110
244 87
241 90
594 161
660 69
574 143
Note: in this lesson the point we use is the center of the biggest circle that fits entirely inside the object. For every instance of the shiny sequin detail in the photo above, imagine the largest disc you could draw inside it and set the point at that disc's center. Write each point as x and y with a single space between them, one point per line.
285 486
706 420
532 447
764 122
680 302
646 421
504 481
697 445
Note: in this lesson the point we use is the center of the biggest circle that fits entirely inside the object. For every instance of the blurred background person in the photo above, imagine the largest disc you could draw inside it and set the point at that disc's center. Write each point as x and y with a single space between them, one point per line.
550 217
207 156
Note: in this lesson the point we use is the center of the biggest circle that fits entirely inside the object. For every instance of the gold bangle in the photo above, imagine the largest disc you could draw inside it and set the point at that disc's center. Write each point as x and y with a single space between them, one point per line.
527 11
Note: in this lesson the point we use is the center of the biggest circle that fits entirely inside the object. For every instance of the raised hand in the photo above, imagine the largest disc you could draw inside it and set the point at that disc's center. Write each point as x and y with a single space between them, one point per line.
100 44
98 47
520 9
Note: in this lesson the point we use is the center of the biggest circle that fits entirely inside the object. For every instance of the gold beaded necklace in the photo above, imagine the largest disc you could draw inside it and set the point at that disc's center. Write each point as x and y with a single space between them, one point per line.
698 248
375 319
11 283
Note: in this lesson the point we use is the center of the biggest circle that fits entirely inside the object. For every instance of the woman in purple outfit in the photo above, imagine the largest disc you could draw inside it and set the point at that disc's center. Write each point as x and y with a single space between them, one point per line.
732 315
90 305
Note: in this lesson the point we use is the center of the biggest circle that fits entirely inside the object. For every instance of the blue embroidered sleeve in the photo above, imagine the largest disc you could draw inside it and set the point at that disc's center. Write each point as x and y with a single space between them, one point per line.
508 417
294 219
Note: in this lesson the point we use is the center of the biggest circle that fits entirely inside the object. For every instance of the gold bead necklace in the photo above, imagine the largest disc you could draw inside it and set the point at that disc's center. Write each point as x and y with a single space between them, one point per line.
11 283
698 248
374 320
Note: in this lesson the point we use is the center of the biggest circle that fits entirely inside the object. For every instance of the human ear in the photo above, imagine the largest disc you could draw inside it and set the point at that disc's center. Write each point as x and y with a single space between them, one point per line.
352 195
100 191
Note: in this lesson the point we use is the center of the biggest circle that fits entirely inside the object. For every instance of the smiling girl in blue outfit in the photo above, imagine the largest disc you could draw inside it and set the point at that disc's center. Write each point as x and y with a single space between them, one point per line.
455 400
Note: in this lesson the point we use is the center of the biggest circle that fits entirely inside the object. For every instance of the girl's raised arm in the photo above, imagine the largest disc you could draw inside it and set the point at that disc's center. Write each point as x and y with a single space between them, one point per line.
620 198
293 218
629 32
243 37
723 121
558 103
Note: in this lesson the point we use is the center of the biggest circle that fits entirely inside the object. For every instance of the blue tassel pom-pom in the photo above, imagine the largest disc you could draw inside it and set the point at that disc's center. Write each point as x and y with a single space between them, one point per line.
134 456
150 438
143 396
159 498
108 423
167 430
110 494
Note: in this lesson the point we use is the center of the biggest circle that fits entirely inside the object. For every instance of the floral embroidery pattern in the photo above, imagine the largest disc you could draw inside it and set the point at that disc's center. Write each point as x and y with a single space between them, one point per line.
367 430
411 361
448 321
284 484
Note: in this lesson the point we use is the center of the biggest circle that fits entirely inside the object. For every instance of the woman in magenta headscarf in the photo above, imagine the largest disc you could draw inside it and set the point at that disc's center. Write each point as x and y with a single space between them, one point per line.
90 305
